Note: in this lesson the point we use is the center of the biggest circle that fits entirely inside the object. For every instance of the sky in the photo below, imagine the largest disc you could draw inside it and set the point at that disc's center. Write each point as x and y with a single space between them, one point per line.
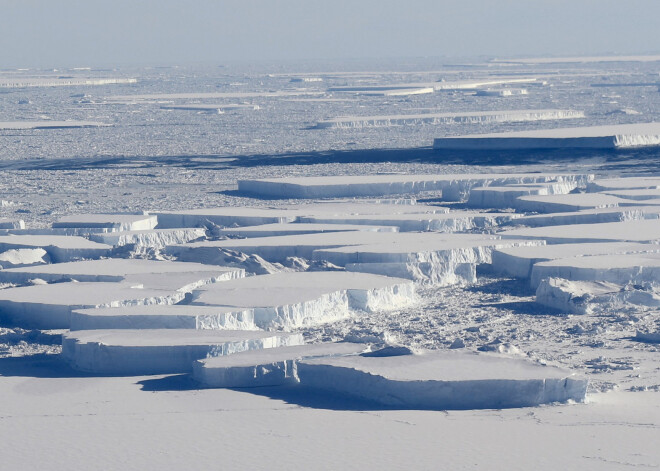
69 33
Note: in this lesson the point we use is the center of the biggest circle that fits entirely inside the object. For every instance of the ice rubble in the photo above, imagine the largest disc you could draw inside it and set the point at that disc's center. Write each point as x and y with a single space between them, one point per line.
110 222
448 118
59 248
145 351
589 297
270 367
443 380
453 187
593 137
288 300
518 261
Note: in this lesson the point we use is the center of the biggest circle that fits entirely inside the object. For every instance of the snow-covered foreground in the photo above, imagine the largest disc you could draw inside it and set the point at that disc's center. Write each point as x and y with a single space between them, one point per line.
165 306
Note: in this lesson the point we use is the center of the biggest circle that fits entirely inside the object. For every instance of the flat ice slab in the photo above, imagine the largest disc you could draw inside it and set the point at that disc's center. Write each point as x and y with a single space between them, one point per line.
143 352
447 118
29 82
621 269
270 367
566 203
593 137
164 316
518 261
270 230
296 299
60 248
156 238
6 223
18 125
112 222
49 306
590 216
454 187
443 380
625 231
148 273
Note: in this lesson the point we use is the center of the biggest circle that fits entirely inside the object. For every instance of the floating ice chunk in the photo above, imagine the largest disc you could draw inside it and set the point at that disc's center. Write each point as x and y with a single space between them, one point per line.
175 276
619 268
592 137
589 216
49 306
627 231
518 261
648 337
629 183
146 352
11 223
59 248
207 95
506 196
210 108
305 298
163 316
270 367
18 125
225 216
269 230
453 187
575 297
112 222
480 83
23 257
636 194
443 380
503 92
565 203
448 118
156 238
444 222
306 79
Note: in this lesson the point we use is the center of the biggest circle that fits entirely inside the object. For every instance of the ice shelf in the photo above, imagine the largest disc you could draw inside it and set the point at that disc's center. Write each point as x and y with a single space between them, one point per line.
146 352
270 230
112 222
453 187
60 248
443 380
288 300
592 137
448 118
270 367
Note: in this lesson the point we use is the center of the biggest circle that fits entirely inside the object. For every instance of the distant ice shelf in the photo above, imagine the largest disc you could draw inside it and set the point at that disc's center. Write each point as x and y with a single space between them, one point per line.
446 118
210 108
590 137
18 125
28 82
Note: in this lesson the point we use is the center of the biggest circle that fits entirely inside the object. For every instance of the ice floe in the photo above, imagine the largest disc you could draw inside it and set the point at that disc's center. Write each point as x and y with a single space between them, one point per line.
443 380
145 351
60 248
592 137
110 222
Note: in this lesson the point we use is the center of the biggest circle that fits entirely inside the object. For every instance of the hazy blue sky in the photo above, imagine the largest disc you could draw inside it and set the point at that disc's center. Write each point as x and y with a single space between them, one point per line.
89 32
